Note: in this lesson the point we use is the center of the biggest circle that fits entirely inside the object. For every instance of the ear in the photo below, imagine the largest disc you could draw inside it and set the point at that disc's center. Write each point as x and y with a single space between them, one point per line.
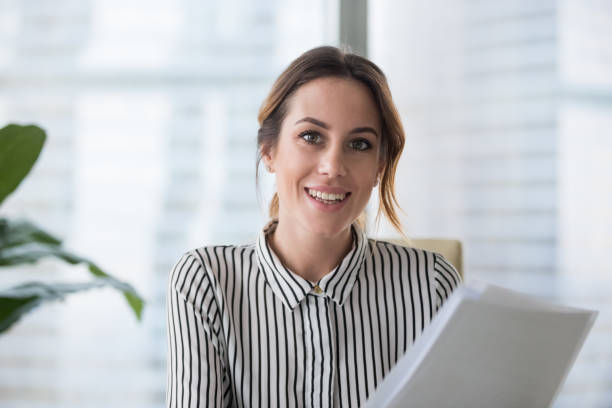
268 156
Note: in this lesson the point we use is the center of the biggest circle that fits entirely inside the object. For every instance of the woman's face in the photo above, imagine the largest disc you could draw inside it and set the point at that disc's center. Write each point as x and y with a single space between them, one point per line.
327 157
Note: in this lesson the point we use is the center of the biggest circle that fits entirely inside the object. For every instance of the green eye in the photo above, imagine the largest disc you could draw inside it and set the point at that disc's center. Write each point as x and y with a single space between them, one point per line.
310 137
361 144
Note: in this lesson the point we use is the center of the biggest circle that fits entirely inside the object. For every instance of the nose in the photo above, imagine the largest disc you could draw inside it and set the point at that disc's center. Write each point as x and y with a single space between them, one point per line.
331 162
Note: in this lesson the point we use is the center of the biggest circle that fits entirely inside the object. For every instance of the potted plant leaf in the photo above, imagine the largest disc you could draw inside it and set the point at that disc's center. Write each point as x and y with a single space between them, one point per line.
22 242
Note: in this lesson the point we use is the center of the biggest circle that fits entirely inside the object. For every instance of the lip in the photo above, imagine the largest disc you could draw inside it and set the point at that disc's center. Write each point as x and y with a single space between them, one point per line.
327 207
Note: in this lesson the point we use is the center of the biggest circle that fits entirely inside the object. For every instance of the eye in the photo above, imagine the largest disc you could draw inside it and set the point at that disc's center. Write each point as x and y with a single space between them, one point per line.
360 144
310 137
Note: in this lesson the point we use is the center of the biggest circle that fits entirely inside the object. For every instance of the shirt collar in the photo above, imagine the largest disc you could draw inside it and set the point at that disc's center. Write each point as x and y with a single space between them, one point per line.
291 288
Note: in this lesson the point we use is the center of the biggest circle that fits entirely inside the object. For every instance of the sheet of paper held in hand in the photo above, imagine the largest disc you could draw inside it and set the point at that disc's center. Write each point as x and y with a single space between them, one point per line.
488 347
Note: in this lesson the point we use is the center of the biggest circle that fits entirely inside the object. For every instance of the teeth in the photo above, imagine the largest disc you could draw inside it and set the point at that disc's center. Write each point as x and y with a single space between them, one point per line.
326 197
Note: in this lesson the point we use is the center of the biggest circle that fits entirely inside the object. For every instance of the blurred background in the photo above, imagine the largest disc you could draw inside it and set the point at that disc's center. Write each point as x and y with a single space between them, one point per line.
150 110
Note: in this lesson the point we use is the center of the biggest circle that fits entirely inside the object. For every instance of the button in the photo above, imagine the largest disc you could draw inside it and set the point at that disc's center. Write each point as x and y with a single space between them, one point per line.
318 290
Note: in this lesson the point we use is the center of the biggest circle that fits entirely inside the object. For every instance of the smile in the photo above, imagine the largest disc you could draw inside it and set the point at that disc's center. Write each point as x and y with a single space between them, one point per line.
327 198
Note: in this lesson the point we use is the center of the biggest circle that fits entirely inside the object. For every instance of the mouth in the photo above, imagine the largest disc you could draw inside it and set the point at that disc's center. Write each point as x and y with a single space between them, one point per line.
327 198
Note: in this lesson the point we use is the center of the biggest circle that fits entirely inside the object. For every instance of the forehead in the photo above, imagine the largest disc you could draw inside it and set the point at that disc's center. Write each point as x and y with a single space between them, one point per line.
336 101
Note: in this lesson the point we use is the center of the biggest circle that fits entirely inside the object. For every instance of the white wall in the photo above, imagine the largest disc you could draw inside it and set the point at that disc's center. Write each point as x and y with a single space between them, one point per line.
476 84
585 138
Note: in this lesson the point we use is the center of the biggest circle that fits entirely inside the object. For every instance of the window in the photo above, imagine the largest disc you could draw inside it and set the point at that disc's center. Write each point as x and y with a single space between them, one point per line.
151 114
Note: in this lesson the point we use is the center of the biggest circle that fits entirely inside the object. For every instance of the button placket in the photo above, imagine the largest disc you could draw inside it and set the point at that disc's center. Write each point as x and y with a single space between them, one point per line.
319 371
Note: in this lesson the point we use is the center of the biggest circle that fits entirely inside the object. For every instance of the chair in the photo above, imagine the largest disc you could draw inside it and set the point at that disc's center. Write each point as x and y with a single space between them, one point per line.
451 249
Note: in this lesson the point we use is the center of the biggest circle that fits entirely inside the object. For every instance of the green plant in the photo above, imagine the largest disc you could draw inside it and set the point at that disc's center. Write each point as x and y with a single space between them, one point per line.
21 242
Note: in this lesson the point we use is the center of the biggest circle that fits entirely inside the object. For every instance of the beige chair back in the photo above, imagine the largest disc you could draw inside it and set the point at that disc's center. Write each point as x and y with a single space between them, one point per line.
451 249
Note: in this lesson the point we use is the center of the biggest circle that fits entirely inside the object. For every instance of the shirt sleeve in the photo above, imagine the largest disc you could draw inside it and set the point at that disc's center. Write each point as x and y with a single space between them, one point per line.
195 367
446 279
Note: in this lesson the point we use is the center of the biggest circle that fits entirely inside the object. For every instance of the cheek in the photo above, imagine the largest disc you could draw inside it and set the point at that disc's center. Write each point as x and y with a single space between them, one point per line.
366 173
290 172
294 162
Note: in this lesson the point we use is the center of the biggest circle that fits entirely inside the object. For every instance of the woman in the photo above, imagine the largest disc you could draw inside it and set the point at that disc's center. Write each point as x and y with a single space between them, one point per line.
314 313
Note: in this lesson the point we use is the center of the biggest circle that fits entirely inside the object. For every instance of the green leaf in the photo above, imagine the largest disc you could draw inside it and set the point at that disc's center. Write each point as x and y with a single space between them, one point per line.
22 242
19 150
12 309
135 302
14 233
19 300
33 252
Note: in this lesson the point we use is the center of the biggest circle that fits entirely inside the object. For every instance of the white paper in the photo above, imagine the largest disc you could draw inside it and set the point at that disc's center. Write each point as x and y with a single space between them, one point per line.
488 347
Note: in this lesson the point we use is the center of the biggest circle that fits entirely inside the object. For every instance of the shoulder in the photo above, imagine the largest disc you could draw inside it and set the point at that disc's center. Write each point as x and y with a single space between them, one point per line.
420 257
203 266
431 262
217 257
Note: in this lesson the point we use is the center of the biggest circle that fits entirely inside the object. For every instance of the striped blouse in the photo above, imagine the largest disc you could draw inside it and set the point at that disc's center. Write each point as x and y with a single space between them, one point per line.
245 331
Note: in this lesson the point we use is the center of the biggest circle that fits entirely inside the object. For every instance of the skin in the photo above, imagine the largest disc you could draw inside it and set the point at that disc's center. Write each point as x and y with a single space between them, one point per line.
330 137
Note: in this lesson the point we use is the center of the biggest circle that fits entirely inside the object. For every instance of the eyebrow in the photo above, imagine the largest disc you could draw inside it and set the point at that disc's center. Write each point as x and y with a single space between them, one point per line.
363 129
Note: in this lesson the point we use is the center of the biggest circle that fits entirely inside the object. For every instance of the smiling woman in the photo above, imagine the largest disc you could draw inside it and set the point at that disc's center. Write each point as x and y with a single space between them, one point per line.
328 144
314 313
331 64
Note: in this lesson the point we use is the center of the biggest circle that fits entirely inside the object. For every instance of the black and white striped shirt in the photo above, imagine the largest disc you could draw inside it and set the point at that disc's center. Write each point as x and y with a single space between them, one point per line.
243 330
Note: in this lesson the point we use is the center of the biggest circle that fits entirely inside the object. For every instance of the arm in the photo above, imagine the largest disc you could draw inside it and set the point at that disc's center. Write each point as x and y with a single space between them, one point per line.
446 279
195 366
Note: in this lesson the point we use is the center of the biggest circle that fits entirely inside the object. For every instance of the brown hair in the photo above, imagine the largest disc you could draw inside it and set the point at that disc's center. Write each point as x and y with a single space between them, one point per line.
332 62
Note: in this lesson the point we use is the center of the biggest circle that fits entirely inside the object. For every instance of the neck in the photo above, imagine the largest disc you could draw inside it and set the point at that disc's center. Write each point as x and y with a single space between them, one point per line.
309 256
